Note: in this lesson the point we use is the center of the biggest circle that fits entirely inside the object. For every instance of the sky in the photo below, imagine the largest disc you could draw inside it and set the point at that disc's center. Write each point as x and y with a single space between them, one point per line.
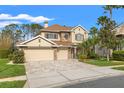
64 15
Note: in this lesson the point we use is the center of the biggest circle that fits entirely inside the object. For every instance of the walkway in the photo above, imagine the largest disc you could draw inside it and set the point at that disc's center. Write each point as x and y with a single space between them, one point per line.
13 78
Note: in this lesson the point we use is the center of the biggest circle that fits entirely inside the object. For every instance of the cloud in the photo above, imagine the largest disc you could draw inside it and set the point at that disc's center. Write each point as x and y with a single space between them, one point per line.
38 19
4 23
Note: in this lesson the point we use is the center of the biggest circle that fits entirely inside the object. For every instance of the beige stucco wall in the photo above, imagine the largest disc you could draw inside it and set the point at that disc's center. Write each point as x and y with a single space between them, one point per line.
76 31
39 54
36 42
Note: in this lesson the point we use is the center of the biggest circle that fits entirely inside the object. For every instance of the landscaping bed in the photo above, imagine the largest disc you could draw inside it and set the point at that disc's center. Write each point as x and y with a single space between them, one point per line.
119 68
12 84
7 70
103 62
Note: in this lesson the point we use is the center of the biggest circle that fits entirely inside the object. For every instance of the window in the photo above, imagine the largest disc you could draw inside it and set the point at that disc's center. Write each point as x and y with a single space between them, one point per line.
66 36
51 36
79 37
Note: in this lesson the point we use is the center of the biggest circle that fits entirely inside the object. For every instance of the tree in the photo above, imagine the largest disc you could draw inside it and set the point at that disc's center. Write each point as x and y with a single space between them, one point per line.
93 32
14 31
26 30
109 8
30 30
5 40
94 37
106 35
85 47
35 29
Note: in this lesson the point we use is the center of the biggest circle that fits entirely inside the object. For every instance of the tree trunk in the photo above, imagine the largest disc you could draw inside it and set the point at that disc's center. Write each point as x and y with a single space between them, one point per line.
107 54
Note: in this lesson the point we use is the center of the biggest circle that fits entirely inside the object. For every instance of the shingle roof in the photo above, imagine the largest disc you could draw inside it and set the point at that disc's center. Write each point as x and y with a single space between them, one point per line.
57 28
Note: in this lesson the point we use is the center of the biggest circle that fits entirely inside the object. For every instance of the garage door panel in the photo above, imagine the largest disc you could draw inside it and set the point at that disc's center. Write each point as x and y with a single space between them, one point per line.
62 54
39 54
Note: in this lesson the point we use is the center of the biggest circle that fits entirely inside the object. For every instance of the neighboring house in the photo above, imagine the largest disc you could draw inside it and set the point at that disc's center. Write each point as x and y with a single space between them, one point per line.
54 43
119 32
120 35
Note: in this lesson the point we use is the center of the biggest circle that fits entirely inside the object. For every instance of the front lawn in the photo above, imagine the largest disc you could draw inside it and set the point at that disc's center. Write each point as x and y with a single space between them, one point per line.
7 70
119 68
103 62
12 84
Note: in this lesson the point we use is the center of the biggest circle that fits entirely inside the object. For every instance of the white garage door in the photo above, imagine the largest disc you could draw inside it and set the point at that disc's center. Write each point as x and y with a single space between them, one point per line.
62 54
39 54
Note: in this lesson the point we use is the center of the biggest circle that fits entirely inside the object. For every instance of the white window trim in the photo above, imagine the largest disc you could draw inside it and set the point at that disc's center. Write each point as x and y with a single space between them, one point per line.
80 35
52 36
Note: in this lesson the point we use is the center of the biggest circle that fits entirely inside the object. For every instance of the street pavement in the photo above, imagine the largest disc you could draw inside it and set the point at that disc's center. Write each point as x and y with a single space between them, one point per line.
108 82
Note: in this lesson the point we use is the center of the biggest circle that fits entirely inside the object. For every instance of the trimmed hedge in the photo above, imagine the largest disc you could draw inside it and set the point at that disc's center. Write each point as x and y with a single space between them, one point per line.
4 53
118 55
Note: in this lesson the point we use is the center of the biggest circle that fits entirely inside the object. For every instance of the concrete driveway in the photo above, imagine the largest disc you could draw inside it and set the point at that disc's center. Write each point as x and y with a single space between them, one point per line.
58 73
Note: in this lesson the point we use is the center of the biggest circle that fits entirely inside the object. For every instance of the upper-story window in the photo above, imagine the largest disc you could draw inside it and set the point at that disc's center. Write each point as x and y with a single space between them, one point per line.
51 35
66 36
79 37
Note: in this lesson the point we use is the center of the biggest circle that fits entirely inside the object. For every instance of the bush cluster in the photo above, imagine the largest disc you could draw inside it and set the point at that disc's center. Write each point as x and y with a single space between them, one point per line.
82 57
118 55
92 55
17 56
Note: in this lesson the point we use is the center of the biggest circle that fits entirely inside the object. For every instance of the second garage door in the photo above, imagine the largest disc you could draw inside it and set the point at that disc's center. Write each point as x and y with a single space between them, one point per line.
62 54
39 54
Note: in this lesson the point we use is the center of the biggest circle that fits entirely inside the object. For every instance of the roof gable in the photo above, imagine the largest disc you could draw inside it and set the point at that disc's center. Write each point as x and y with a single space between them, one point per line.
81 27
35 42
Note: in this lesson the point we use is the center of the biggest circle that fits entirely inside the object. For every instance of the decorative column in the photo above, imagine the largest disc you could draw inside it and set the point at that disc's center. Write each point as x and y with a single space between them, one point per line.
55 54
69 53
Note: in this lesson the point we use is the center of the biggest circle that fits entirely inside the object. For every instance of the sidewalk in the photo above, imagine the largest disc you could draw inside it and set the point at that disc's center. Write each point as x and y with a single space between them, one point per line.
113 66
13 78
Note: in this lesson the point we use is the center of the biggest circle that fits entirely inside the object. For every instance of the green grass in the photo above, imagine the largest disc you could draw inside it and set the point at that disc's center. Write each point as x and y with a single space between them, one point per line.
12 84
7 70
104 62
119 68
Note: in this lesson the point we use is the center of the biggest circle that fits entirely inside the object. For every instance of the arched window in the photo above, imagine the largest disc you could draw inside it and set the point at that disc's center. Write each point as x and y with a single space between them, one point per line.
79 37
66 36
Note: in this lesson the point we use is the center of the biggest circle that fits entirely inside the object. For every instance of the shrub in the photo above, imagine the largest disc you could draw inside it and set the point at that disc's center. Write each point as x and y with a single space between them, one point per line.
118 55
17 56
82 57
93 55
4 53
10 56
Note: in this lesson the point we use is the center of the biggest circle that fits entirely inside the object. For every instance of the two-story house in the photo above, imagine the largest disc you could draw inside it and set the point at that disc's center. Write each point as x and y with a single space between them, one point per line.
54 43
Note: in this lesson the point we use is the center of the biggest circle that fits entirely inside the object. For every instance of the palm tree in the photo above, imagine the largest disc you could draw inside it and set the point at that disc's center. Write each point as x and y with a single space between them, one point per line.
106 36
94 37
86 47
102 21
93 32
109 8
